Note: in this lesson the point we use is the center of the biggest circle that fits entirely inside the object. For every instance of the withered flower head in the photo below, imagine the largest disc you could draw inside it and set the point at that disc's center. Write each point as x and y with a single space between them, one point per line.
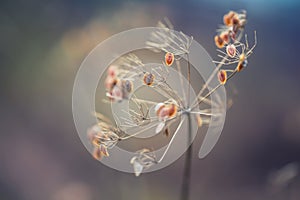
143 160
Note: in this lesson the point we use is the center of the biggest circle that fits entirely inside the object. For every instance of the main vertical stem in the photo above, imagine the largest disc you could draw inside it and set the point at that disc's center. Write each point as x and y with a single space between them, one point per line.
189 80
185 190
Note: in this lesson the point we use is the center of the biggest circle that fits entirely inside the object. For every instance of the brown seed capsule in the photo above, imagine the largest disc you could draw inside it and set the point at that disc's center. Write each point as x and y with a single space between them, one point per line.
127 86
165 111
231 50
219 41
225 37
148 78
167 132
242 63
222 76
169 58
228 18
172 110
235 21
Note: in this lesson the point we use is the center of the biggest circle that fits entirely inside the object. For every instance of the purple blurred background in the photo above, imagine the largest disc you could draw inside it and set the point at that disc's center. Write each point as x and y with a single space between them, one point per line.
42 44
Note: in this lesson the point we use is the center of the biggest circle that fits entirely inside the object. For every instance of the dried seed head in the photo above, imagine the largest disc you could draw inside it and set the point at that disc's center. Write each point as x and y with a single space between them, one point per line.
231 50
222 76
103 134
108 140
143 160
149 78
169 58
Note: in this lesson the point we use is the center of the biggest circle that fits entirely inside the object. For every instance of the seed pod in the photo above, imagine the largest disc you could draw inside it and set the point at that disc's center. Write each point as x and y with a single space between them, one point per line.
225 37
172 110
127 86
227 19
241 65
116 93
169 58
219 41
222 76
148 78
165 111
231 50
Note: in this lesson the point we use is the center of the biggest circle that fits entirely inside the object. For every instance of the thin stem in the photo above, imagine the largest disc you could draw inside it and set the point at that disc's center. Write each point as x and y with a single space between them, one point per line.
188 160
145 101
189 80
143 130
171 141
181 80
187 165
139 132
220 64
203 113
209 80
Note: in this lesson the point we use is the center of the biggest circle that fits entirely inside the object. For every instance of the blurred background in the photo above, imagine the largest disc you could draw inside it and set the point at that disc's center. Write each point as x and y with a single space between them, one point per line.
42 44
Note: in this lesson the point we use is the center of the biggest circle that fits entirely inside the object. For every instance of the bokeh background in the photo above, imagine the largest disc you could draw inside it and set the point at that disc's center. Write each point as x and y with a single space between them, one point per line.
42 44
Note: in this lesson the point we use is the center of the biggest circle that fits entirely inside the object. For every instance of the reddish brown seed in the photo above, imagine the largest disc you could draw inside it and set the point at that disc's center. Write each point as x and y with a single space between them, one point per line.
228 18
225 37
172 110
231 50
242 64
169 58
167 133
127 86
165 111
219 41
239 67
148 78
235 21
222 76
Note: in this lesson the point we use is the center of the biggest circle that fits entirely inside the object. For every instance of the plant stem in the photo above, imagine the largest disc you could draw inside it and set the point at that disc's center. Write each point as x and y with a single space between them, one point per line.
188 159
189 79
187 165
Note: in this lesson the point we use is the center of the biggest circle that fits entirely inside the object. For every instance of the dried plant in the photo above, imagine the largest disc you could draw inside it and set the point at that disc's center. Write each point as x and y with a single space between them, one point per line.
234 51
